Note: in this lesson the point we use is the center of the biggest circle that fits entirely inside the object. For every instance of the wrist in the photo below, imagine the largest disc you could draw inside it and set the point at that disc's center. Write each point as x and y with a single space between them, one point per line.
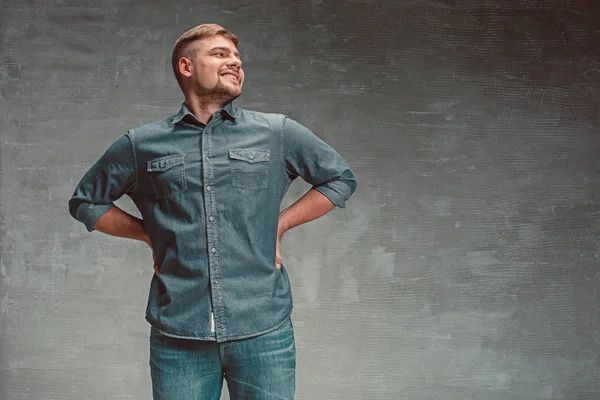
282 227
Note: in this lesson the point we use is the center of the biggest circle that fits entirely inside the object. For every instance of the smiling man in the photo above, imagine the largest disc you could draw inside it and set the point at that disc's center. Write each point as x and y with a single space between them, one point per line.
208 183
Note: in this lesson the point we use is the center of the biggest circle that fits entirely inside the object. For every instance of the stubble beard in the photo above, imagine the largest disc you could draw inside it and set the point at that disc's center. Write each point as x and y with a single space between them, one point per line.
220 94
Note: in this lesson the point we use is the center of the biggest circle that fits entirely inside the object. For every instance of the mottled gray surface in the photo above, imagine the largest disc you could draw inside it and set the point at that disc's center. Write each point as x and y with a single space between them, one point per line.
466 264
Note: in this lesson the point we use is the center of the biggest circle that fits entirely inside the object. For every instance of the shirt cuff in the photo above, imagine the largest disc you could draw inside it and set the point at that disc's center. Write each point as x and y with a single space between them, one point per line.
89 213
336 191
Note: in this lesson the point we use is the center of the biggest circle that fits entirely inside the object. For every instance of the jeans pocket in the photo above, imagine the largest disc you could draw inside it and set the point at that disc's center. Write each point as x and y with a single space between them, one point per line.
249 168
167 175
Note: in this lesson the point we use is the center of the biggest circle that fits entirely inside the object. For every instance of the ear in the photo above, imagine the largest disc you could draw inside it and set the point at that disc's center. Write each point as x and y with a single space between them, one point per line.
185 67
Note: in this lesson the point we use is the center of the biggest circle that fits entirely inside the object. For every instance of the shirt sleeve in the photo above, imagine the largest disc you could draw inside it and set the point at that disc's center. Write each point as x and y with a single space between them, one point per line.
308 156
112 176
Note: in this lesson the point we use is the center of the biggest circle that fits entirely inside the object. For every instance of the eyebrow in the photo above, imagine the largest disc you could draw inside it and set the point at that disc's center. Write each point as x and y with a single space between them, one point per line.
235 53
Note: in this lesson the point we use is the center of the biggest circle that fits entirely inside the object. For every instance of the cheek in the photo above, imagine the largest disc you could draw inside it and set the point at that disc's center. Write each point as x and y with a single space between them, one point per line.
208 79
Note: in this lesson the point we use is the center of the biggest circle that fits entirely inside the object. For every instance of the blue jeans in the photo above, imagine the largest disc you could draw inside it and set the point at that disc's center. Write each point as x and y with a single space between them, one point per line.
259 368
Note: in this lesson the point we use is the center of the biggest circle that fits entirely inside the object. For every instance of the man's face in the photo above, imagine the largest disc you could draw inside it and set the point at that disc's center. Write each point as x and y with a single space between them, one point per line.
216 69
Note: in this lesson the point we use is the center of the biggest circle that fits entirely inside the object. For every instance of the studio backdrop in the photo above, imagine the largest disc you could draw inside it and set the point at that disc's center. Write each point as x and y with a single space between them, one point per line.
465 266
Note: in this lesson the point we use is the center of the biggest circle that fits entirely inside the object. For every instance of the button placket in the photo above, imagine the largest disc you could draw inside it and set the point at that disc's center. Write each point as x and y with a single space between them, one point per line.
212 236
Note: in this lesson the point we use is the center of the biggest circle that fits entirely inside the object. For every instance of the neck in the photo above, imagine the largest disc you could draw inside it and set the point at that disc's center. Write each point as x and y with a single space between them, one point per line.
204 108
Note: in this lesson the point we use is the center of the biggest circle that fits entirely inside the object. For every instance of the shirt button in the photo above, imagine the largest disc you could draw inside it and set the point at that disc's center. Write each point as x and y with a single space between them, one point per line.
208 188
215 281
213 250
211 218
251 157
206 159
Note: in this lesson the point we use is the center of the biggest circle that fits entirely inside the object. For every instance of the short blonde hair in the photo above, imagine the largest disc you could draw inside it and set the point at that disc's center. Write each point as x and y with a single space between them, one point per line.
181 48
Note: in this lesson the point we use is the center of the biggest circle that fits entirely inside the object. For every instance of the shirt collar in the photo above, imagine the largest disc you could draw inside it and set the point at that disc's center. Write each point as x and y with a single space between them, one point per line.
228 109
231 110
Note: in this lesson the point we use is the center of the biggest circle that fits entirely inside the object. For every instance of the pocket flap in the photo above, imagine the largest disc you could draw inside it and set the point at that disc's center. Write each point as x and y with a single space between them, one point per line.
164 163
250 155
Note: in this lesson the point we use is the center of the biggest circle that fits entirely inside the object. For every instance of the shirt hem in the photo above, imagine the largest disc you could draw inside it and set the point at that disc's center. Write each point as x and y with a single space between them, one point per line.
241 337
213 338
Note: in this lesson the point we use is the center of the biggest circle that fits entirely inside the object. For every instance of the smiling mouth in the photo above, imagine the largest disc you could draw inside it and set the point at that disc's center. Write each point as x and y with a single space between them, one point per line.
231 76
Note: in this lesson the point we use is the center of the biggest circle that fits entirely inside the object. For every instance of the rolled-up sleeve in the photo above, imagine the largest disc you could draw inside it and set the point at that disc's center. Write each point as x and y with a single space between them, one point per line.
309 157
112 176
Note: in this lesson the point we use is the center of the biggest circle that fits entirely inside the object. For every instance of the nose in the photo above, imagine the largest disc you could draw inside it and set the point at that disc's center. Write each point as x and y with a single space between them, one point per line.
234 62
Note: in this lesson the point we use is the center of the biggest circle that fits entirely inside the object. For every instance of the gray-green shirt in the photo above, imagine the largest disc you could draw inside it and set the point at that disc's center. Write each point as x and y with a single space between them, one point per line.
210 199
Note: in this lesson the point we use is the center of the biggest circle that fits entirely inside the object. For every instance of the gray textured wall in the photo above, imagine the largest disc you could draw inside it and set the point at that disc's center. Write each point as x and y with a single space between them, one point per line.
466 264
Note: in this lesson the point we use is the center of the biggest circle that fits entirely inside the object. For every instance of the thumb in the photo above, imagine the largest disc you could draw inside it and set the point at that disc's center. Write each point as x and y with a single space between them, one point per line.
278 256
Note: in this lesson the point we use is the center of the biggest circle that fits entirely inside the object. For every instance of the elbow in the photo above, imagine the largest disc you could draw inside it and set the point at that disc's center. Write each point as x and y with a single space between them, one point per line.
349 179
87 213
338 191
74 206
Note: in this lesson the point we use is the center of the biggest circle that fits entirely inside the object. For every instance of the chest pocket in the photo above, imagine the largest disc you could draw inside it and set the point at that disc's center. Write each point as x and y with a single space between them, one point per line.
167 175
249 168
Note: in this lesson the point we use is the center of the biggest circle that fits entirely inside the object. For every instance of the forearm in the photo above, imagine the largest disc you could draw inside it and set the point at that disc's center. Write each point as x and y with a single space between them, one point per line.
117 222
308 207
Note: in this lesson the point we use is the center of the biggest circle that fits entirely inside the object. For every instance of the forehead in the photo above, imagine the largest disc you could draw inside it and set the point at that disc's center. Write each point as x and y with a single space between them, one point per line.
207 44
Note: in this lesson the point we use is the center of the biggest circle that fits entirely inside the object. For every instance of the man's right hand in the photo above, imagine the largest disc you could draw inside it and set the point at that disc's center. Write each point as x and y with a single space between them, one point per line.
117 222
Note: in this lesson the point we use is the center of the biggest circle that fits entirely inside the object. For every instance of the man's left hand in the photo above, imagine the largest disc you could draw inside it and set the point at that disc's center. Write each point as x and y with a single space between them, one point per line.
278 252
281 228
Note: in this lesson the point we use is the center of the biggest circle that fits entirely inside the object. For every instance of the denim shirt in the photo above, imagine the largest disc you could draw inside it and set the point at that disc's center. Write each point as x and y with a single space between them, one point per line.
210 197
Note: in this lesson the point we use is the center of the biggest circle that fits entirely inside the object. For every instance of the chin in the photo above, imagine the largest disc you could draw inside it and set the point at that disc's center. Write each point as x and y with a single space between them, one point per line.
234 87
235 91
234 96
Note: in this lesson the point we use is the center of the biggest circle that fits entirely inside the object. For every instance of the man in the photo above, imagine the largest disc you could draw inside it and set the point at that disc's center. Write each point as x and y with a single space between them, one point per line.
208 183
